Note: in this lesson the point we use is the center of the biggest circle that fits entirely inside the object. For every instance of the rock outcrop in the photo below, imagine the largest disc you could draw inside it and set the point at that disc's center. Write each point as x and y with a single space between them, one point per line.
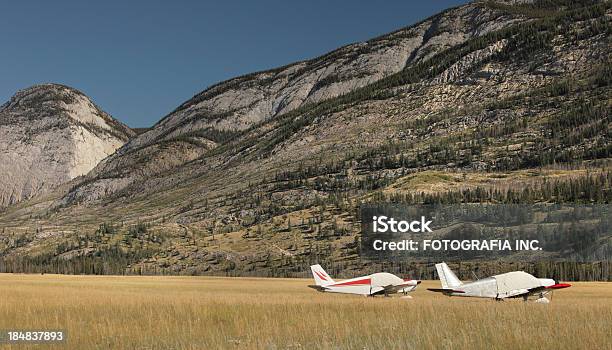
49 135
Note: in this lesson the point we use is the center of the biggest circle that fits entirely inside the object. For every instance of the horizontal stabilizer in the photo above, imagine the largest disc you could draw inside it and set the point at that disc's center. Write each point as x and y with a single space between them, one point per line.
319 288
445 290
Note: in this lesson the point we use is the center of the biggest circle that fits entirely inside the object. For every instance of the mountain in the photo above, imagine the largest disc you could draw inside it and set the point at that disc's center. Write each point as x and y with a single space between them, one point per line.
264 174
49 135
222 111
239 103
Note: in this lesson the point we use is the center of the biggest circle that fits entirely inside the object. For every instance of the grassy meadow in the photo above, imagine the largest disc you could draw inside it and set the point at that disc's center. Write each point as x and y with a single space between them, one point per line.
113 312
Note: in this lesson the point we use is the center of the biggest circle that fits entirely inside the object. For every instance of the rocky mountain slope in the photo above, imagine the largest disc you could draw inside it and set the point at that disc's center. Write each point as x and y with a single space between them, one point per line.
218 113
49 135
241 102
515 108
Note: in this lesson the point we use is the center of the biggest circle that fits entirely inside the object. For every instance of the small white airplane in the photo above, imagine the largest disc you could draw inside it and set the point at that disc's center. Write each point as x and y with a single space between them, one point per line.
516 284
371 285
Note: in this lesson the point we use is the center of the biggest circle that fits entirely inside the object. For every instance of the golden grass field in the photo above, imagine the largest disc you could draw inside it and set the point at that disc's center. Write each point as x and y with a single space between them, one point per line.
110 312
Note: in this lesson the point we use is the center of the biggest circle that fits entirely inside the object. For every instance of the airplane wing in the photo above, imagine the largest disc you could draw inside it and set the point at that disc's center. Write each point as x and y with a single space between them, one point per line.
390 289
541 289
523 293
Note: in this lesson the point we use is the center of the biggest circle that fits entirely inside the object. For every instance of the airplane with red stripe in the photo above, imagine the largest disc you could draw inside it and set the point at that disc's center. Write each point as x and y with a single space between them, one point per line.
381 283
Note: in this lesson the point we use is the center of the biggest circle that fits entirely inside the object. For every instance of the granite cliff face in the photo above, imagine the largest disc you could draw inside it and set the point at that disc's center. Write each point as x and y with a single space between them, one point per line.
49 135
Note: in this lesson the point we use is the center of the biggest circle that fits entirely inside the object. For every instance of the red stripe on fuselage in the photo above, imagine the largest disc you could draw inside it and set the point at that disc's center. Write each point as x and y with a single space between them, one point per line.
365 281
559 286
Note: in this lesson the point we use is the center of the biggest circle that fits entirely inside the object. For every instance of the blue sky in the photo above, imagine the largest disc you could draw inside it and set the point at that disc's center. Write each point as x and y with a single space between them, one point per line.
138 60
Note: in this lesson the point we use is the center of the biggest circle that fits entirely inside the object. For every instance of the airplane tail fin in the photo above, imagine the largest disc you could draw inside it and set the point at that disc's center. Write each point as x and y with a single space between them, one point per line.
320 276
447 277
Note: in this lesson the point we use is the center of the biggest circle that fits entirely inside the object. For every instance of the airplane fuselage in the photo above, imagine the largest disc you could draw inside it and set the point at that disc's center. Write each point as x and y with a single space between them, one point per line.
374 284
507 285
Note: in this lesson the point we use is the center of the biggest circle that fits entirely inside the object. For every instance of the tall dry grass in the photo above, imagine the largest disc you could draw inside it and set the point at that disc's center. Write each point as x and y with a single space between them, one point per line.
248 313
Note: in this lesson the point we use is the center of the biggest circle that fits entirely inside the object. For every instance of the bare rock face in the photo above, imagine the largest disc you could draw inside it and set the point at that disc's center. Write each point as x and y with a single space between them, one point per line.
239 103
50 134
219 112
